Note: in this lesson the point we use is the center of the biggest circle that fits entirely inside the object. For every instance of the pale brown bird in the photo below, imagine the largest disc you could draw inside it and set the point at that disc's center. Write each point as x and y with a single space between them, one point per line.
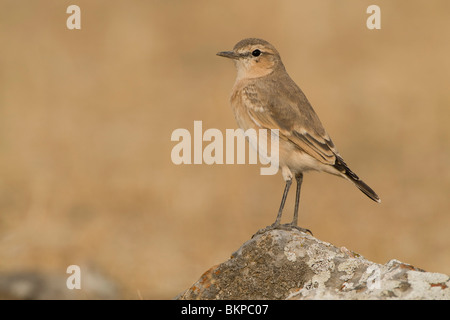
265 97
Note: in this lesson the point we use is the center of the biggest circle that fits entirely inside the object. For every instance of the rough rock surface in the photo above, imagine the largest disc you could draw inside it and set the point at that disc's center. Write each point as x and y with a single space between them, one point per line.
289 264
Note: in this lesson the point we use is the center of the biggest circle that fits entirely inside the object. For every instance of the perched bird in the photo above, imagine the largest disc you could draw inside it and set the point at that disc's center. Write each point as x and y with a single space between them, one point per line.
265 97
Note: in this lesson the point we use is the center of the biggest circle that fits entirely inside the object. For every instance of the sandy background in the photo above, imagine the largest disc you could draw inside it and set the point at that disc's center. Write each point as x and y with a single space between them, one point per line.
86 118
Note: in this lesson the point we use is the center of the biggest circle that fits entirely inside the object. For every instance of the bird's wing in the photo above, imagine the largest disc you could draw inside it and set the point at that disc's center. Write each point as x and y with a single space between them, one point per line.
287 109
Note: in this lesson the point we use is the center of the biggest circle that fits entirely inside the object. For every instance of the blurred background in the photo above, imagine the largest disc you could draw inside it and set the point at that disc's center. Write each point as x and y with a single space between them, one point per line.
86 118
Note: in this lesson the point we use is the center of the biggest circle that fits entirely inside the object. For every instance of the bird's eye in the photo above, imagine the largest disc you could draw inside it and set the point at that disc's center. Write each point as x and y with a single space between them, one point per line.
256 53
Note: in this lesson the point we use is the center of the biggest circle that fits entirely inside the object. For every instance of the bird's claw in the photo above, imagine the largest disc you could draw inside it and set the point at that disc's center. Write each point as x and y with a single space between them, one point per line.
286 226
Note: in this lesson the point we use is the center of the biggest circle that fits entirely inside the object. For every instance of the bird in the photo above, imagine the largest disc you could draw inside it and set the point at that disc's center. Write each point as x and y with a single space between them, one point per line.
265 97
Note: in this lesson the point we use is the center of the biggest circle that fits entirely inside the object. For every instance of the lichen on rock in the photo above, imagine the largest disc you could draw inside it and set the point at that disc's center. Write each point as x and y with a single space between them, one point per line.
290 264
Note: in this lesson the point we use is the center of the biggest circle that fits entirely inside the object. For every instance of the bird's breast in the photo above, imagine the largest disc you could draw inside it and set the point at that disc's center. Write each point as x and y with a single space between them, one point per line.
239 107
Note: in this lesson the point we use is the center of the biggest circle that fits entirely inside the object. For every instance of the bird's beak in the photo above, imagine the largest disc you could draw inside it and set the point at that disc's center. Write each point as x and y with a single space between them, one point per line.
229 54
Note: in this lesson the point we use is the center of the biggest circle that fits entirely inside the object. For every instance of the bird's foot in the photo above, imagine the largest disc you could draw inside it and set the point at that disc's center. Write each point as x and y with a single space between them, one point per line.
286 226
294 226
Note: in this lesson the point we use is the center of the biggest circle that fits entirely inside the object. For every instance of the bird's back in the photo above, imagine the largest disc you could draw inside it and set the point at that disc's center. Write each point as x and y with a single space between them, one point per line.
276 102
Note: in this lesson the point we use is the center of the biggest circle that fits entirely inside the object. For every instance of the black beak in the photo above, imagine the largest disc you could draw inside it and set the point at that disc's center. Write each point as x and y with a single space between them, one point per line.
229 54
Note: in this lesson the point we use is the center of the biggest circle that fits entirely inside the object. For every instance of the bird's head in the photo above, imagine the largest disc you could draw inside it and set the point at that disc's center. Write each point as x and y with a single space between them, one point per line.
254 58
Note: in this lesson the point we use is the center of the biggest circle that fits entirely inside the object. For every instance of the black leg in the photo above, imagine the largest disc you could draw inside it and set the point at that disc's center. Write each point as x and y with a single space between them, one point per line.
299 178
283 200
293 224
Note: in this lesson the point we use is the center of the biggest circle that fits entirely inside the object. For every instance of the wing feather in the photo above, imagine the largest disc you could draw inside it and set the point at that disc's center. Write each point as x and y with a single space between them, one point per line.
285 107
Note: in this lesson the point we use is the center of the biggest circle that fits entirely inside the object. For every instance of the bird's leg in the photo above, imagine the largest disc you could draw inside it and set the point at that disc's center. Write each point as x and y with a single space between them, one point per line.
299 178
283 200
293 224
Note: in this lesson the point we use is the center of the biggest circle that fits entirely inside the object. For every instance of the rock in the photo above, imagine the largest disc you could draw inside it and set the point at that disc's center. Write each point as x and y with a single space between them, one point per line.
289 264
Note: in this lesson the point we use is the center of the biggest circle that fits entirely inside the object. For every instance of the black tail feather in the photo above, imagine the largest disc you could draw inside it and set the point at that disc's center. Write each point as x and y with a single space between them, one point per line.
342 167
367 190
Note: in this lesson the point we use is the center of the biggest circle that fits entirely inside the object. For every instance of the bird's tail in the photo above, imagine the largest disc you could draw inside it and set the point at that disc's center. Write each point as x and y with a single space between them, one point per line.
366 190
350 175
